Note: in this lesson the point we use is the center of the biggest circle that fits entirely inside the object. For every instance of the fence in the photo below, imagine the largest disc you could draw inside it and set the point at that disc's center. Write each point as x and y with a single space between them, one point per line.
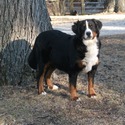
86 8
66 7
94 7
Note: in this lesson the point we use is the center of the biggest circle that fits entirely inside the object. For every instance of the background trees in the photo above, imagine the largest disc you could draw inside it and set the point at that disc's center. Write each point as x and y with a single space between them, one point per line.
21 21
64 7
115 5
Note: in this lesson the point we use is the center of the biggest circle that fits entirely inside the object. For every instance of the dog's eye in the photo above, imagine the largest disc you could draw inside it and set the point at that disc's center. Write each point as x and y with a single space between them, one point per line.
90 25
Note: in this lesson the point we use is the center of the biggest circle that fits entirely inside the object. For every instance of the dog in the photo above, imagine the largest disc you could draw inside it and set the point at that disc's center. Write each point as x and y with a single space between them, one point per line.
72 54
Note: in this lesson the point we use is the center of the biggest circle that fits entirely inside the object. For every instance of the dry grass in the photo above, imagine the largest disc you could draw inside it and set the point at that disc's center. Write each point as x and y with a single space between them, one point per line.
22 105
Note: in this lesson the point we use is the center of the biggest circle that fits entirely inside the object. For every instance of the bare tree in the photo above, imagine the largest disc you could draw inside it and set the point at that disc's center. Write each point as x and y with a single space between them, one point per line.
109 5
115 5
21 21
120 6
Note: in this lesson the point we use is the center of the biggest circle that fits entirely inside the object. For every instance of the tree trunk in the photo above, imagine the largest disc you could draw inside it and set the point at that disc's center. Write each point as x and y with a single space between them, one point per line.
71 6
115 5
120 6
82 7
109 5
62 7
21 21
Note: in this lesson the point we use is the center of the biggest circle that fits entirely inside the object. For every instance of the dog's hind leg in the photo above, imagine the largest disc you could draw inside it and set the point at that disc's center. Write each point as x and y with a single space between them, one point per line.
91 74
72 86
42 69
48 80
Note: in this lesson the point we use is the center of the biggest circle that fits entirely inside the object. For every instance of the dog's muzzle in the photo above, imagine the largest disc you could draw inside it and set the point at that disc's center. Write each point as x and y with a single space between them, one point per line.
88 35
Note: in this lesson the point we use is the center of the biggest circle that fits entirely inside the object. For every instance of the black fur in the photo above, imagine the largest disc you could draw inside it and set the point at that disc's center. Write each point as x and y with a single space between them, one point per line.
62 51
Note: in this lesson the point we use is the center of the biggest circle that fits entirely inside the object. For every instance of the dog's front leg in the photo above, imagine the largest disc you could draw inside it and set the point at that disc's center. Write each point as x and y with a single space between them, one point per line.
72 86
91 75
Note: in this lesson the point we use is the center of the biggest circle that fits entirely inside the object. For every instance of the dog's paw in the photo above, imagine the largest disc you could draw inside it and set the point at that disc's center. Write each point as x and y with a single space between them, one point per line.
43 93
76 99
55 87
79 99
93 96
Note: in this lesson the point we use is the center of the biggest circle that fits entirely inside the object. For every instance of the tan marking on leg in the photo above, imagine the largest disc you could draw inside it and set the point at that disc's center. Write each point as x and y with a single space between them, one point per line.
91 91
73 92
48 75
40 84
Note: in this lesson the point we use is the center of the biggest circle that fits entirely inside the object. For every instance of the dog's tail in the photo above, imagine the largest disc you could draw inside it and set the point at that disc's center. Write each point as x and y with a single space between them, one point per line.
32 59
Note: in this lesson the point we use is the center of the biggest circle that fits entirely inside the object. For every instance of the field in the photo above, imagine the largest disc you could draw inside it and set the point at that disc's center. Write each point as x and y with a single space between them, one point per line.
22 106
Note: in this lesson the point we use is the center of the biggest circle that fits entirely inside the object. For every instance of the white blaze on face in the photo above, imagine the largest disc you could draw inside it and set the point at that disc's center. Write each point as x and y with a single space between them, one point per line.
87 32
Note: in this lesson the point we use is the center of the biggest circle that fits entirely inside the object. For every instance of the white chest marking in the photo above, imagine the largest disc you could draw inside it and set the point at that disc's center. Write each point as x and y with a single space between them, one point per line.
91 55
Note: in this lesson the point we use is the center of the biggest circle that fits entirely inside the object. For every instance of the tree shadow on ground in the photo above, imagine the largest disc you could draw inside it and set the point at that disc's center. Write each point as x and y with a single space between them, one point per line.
14 61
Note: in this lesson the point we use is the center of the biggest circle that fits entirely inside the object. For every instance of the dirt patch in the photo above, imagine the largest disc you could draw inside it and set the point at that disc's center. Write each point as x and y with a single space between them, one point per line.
22 105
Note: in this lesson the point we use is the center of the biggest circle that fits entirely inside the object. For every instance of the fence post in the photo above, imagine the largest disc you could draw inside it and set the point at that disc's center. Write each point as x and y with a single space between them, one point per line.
82 7
71 6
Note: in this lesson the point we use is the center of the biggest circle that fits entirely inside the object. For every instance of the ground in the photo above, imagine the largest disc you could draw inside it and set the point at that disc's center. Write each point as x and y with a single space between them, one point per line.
20 105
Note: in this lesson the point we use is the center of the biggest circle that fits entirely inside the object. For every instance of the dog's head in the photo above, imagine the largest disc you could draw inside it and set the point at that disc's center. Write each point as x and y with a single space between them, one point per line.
87 29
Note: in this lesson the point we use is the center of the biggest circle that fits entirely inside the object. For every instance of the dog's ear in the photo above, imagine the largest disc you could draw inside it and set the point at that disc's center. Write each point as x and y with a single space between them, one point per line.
98 23
75 27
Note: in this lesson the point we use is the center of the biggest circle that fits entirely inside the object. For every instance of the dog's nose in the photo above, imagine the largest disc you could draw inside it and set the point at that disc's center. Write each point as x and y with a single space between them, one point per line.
88 34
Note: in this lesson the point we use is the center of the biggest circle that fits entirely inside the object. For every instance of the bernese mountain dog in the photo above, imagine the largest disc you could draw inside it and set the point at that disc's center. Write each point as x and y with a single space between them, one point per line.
70 53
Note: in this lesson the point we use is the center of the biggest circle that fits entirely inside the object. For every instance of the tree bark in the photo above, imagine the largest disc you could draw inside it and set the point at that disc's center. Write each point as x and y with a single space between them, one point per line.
21 21
115 5
120 6
109 5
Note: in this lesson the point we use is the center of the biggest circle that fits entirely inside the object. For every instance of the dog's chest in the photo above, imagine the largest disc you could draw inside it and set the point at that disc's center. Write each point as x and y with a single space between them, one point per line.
91 56
92 52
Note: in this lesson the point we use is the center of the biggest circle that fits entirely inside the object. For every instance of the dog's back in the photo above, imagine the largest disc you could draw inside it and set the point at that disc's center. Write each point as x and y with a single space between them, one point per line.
53 46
